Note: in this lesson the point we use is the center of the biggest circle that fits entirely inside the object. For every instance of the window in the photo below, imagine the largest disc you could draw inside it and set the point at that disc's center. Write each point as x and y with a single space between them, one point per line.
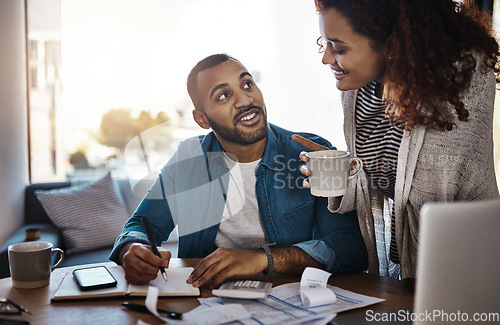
103 71
47 159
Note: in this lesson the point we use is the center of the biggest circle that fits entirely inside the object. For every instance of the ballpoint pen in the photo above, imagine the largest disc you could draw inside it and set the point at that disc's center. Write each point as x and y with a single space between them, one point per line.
149 233
19 307
144 309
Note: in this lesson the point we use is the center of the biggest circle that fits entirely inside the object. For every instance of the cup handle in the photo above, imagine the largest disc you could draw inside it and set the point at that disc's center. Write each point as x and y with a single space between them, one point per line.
359 166
61 258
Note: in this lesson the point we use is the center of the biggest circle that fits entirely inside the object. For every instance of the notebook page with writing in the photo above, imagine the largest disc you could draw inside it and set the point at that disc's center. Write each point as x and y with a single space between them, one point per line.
175 286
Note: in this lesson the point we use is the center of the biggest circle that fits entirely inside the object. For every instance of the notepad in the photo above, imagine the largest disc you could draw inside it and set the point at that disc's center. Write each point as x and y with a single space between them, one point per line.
175 286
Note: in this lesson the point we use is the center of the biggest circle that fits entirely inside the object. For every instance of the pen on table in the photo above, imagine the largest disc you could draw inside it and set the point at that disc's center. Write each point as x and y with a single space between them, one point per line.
19 307
144 309
151 239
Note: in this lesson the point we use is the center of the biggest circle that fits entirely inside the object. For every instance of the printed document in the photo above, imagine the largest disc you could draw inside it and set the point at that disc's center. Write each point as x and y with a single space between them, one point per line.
285 304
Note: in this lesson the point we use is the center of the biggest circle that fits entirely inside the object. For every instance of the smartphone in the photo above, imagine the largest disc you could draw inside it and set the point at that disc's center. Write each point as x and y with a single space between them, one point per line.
93 278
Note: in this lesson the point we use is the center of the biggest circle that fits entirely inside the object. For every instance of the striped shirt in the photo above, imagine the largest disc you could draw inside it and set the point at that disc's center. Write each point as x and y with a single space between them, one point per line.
377 145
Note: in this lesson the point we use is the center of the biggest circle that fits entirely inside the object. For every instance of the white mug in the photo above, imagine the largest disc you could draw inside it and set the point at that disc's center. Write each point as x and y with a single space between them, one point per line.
330 172
31 264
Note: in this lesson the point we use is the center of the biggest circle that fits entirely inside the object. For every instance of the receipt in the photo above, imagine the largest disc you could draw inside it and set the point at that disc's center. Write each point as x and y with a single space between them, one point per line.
313 288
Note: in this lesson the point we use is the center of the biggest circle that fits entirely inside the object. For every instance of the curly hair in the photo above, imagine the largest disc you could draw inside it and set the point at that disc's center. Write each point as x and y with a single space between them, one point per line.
431 49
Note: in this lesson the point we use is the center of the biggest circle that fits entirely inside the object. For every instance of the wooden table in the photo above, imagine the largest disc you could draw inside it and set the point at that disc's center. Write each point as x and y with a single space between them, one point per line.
109 311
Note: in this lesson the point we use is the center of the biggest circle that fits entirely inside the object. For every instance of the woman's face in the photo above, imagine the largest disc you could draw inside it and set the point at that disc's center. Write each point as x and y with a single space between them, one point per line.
350 55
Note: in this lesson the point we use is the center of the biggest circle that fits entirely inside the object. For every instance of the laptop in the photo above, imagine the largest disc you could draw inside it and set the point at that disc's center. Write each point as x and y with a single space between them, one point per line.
458 270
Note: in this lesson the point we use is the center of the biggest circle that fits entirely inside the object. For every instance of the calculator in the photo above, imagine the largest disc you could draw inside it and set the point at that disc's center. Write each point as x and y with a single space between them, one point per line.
244 289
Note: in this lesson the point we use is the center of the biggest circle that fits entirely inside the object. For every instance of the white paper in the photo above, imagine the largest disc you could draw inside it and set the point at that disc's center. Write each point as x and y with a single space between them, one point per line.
346 300
314 278
274 311
175 286
312 297
313 288
221 314
202 315
284 306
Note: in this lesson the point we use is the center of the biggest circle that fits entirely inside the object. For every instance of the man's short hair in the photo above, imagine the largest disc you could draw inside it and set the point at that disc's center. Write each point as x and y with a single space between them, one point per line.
192 81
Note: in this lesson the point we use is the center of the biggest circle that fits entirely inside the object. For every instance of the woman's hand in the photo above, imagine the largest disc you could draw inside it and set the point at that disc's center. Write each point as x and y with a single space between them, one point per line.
311 145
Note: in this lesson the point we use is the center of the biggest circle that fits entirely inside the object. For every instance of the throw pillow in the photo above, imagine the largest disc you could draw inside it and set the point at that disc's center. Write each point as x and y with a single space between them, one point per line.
89 217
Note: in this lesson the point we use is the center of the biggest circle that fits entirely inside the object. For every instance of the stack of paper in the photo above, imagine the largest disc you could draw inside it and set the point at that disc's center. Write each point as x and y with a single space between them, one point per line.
285 304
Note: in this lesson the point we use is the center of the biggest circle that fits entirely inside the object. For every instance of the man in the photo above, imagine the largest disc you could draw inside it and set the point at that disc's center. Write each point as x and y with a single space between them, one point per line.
233 194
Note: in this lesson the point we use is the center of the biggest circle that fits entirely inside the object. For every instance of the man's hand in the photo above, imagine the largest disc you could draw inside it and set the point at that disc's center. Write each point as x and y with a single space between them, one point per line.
141 265
225 263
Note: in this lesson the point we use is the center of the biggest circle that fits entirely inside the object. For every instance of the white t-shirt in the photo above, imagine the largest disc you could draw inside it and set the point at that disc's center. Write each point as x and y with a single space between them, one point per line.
241 227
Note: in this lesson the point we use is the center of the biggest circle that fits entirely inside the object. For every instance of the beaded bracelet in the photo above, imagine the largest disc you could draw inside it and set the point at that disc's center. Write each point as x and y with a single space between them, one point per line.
270 260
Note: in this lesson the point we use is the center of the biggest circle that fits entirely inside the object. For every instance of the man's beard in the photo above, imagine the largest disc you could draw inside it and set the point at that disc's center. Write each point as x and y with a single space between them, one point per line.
238 136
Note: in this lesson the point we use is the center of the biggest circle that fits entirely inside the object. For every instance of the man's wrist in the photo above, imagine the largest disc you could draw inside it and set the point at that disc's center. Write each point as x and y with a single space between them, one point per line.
270 259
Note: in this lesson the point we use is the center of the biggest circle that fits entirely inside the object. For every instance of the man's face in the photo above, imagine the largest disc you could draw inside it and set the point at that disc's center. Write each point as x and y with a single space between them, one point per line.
232 103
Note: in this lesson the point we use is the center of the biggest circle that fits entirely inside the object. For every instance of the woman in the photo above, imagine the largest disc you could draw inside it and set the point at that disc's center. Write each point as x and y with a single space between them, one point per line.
418 86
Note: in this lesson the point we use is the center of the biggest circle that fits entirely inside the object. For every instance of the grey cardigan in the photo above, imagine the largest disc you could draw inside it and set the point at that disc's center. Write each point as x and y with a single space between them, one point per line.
432 165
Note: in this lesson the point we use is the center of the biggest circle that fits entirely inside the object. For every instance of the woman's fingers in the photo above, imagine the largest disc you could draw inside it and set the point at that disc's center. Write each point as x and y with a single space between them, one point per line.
303 156
311 145
305 171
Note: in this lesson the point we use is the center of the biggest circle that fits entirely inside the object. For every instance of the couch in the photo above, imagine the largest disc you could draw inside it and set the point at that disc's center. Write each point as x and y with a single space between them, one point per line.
35 216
